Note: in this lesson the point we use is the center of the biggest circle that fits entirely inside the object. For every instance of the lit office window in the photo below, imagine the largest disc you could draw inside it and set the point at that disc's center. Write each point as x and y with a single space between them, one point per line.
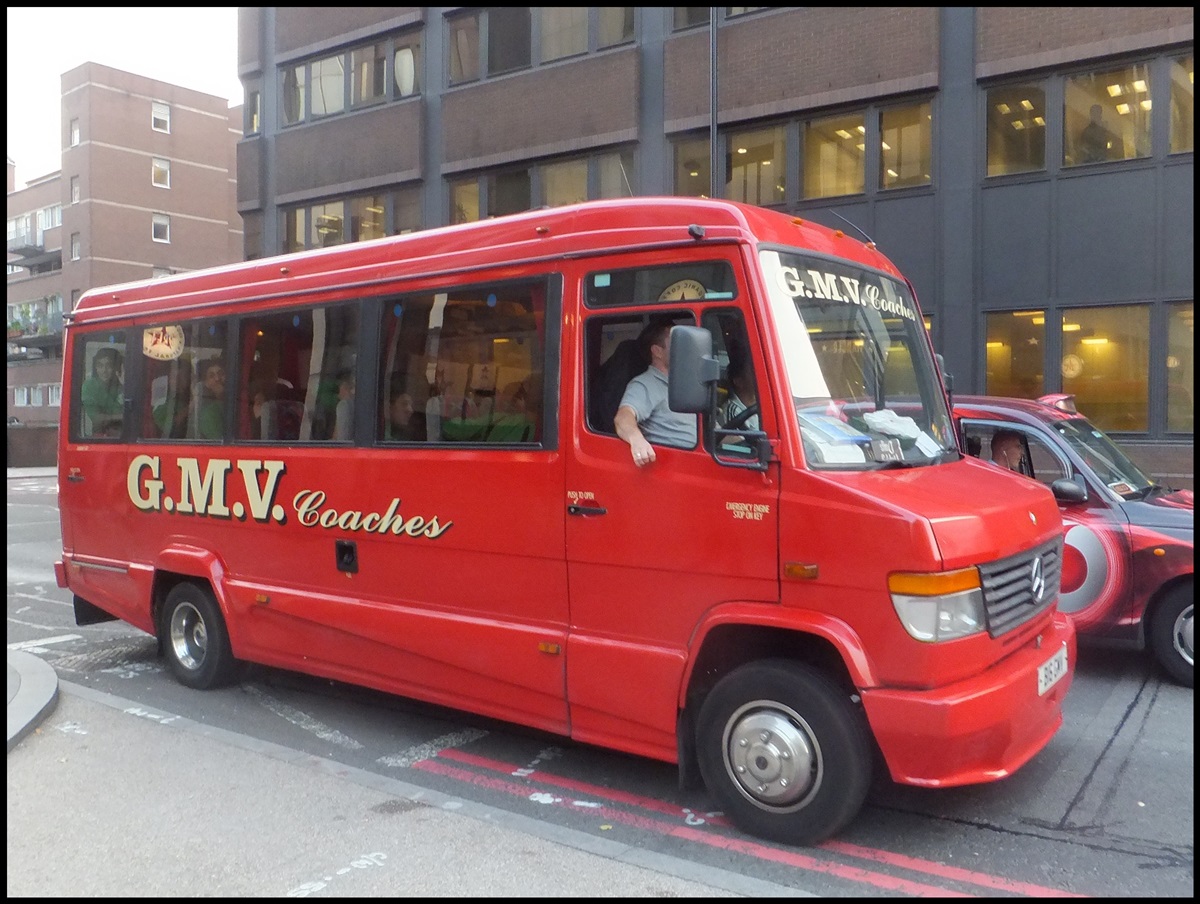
160 117
328 86
564 31
692 168
906 146
160 172
1106 116
1105 364
368 79
160 228
1183 123
616 25
464 201
464 49
1016 341
1181 367
1016 129
835 156
327 224
294 78
757 170
616 175
565 183
368 218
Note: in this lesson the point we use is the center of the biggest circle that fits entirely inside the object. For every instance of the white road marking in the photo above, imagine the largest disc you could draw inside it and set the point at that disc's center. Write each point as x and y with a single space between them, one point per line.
430 749
303 720
35 644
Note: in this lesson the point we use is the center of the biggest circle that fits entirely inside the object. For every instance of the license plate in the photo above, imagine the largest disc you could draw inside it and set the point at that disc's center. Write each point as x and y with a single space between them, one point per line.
1052 670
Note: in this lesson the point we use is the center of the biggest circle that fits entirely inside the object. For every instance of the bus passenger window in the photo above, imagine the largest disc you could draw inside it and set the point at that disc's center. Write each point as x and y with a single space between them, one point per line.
102 394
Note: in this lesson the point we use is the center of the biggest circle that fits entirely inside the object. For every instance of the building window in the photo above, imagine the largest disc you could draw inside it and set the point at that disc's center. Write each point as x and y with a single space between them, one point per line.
54 394
464 49
328 86
292 106
616 176
295 228
21 395
1015 345
1183 123
564 31
508 192
368 83
565 183
253 112
1181 367
75 246
406 63
508 39
835 156
616 25
75 296
757 167
1106 360
464 201
75 193
74 127
160 229
1016 129
160 172
688 16
406 211
692 167
368 218
160 117
328 221
906 146
1106 116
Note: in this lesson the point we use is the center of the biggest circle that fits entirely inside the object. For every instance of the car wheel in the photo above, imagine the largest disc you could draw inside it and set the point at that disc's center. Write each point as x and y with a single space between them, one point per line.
1172 637
785 752
194 638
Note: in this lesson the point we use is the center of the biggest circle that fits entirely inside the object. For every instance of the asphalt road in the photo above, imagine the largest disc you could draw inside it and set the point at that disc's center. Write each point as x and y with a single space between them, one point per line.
284 784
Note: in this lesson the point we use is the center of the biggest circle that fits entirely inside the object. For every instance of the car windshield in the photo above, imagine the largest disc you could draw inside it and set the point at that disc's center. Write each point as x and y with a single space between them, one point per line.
1102 455
858 364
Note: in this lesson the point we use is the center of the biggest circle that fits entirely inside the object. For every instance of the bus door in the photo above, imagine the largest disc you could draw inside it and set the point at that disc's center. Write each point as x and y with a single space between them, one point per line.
653 550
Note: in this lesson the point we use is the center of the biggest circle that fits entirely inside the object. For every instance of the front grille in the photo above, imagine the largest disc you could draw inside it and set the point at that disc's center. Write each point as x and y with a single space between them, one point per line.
1008 586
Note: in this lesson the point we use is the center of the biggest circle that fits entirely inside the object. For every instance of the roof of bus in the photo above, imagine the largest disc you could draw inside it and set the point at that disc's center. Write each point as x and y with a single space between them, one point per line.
640 222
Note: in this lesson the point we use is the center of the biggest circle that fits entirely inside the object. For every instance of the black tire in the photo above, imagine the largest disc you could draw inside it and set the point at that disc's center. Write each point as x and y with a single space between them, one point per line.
194 638
785 752
1172 634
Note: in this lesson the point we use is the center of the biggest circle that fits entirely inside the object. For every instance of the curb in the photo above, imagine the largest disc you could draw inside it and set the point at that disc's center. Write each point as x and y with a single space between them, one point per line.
35 697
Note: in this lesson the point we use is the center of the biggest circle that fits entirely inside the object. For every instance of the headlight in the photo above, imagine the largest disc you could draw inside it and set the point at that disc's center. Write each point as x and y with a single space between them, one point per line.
940 606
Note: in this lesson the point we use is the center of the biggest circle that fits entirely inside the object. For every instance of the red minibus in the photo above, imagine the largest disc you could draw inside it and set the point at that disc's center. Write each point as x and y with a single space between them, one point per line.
395 464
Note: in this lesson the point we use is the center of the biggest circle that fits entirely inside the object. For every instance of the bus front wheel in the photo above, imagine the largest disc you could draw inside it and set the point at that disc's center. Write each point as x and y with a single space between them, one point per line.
194 638
785 751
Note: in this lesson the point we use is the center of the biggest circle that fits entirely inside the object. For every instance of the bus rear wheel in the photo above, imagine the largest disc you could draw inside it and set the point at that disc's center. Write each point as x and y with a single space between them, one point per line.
194 638
785 752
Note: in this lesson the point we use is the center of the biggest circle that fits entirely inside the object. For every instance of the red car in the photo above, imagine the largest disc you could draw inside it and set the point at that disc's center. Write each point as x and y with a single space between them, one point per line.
1128 553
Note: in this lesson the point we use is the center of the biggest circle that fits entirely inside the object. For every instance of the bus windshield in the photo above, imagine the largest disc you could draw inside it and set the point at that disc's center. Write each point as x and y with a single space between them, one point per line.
861 376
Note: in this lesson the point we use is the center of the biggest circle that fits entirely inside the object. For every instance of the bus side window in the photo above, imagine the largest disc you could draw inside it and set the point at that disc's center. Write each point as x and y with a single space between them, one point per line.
101 413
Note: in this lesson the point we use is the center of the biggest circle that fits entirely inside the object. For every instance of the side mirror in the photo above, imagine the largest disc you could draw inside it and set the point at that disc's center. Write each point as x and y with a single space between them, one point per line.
1067 490
947 378
693 371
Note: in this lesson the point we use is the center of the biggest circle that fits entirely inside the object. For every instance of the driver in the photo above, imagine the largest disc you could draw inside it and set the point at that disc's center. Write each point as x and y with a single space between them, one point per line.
742 393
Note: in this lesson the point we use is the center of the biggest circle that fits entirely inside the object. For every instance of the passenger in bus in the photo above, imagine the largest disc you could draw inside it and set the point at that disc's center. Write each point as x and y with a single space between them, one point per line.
343 415
171 415
210 422
103 399
643 417
401 424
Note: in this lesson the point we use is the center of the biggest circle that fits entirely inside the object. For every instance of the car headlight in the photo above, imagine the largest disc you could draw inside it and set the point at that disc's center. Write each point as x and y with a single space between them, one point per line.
938 606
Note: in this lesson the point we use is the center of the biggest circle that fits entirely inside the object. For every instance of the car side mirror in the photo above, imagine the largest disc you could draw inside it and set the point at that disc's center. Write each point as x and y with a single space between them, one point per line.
693 371
1067 490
